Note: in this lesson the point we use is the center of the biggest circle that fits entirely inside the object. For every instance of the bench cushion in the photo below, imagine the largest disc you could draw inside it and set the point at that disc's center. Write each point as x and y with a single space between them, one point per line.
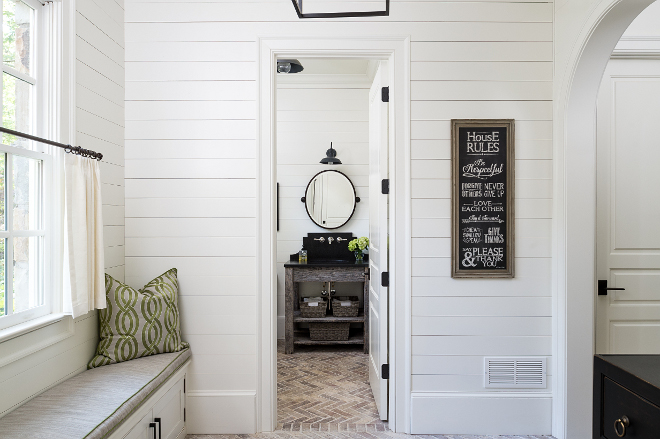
93 403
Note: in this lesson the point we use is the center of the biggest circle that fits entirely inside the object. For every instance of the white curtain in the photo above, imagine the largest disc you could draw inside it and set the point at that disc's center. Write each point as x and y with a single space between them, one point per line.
84 280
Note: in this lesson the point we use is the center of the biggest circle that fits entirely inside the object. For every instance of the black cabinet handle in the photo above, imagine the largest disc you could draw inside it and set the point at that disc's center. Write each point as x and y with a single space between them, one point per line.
153 425
602 288
622 422
160 431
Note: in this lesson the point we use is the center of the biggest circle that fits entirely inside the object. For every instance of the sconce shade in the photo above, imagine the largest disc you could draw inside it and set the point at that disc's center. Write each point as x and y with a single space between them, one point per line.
321 9
330 157
289 66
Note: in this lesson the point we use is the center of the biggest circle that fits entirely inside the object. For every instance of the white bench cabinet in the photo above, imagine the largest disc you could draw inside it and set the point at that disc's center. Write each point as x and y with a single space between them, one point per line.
168 404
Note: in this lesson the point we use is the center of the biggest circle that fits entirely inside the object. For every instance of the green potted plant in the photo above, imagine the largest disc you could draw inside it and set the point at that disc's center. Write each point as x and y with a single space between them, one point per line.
357 246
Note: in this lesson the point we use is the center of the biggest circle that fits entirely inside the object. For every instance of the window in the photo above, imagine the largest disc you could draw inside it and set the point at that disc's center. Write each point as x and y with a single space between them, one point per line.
23 167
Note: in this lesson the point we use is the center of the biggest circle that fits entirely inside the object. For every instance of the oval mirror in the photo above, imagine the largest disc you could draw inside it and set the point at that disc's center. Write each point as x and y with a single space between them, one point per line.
330 199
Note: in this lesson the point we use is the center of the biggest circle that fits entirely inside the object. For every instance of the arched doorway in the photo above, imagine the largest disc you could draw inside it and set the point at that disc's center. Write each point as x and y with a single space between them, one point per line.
575 211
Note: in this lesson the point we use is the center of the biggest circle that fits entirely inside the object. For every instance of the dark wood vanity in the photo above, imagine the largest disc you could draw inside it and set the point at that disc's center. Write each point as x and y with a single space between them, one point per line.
323 271
626 396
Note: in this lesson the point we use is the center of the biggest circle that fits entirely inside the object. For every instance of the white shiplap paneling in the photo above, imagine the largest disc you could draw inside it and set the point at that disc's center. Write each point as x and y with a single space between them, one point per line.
193 61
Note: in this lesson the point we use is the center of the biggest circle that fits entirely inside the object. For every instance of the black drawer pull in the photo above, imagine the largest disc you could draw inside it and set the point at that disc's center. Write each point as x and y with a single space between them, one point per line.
623 422
153 425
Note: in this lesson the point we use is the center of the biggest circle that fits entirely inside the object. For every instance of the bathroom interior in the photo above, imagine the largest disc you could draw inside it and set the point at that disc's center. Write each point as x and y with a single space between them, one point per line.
330 114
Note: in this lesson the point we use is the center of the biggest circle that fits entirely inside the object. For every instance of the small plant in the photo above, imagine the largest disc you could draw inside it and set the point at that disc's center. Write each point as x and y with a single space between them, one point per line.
358 243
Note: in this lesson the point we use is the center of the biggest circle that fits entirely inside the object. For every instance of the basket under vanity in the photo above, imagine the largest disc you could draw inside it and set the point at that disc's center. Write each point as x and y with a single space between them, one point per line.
323 271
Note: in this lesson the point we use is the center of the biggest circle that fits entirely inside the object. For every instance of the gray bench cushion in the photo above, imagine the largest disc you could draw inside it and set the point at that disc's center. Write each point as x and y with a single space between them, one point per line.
93 403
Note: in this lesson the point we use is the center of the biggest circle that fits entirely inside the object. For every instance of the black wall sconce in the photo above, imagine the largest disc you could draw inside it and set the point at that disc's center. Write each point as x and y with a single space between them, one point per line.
330 157
298 5
289 66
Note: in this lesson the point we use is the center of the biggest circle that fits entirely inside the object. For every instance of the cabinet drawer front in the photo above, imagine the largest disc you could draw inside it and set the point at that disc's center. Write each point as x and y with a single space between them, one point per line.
329 274
170 411
142 429
643 415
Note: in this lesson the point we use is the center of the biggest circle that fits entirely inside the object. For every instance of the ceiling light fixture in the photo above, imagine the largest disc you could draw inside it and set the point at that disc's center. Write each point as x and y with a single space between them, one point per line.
298 5
330 157
289 66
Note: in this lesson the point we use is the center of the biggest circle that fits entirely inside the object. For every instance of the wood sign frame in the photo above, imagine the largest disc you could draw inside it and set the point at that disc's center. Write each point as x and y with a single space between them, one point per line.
483 197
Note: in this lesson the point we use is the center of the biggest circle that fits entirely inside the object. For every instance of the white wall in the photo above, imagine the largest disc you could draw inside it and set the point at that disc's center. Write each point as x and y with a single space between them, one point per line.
312 111
642 38
38 360
191 71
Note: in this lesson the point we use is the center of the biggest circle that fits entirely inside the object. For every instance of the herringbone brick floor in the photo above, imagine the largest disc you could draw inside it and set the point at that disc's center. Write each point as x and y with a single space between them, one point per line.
324 393
318 385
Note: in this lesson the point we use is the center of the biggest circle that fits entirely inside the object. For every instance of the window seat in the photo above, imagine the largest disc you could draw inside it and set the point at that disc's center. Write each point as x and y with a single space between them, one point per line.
94 403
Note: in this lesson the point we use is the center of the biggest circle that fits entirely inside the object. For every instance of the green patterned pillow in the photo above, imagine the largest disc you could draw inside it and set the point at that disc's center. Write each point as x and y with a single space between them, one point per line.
137 323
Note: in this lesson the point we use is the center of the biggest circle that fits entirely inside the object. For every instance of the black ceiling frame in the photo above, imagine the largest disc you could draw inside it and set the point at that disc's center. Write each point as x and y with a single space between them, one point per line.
297 4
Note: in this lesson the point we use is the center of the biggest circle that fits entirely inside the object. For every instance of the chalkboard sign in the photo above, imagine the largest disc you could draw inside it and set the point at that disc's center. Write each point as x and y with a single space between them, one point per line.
482 198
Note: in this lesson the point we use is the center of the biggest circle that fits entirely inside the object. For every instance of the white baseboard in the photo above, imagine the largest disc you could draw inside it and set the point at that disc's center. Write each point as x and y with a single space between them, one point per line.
221 412
487 414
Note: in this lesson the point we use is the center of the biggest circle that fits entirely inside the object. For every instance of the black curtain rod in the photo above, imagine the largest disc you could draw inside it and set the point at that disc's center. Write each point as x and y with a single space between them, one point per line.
68 148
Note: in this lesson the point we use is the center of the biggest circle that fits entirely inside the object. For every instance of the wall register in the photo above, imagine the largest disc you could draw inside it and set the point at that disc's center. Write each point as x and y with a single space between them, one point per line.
483 167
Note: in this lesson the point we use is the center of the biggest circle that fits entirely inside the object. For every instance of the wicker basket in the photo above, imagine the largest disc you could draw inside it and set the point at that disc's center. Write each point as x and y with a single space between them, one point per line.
329 331
313 311
345 311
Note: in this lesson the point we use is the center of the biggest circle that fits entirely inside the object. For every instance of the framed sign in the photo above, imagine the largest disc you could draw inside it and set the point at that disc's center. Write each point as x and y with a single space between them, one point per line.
483 178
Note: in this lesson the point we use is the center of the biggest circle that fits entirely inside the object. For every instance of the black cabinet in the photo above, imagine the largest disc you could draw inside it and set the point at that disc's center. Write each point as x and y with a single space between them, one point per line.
626 396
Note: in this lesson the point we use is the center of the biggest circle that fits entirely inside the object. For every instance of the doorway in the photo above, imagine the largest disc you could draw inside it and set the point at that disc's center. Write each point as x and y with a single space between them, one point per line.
628 244
268 253
574 225
332 149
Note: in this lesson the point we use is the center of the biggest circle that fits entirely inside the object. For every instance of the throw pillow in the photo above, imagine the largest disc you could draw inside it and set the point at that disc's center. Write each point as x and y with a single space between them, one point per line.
138 323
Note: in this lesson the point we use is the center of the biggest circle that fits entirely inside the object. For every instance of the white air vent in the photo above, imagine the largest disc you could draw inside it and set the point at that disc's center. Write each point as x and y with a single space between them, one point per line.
515 373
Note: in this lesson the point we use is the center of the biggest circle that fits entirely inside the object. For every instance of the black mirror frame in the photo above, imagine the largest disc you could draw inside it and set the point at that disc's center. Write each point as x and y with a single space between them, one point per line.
357 199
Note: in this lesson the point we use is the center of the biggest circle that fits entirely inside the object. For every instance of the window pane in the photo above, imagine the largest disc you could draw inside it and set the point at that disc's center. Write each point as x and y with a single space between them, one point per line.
27 193
16 109
17 18
2 278
3 223
28 286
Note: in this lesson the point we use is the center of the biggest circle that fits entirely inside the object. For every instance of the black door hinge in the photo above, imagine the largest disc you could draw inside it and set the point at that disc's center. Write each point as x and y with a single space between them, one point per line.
385 186
385 371
385 279
368 273
184 385
385 94
184 414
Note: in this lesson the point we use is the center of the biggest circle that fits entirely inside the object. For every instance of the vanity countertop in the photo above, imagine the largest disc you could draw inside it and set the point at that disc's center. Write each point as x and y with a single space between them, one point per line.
326 263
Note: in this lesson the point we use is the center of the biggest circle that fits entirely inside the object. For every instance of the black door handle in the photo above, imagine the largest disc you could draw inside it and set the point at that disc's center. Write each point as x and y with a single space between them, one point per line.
602 288
153 425
160 428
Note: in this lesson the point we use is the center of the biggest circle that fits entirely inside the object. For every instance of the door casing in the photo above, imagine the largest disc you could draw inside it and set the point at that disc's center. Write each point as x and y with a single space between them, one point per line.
397 51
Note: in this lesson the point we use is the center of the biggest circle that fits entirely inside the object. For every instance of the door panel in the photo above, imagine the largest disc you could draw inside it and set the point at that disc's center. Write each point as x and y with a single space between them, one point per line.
141 429
378 250
628 240
170 410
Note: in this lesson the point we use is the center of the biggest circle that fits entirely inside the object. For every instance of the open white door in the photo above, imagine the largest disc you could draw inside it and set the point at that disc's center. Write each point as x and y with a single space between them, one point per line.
628 242
378 234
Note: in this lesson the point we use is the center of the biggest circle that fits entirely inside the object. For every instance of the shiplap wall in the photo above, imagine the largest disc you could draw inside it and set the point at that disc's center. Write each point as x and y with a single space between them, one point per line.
191 71
310 115
63 349
100 111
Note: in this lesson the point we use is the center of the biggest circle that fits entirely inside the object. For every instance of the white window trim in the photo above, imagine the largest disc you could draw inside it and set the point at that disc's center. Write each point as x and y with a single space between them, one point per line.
54 71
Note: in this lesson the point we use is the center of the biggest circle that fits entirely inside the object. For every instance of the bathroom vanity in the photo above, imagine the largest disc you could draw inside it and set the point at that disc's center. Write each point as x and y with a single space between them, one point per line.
323 271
